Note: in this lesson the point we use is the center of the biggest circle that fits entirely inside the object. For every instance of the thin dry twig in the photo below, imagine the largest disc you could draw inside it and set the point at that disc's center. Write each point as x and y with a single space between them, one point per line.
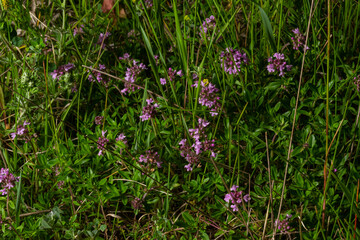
296 106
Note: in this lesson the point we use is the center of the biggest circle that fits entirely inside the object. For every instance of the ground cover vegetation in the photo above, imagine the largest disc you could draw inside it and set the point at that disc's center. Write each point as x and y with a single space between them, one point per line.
201 119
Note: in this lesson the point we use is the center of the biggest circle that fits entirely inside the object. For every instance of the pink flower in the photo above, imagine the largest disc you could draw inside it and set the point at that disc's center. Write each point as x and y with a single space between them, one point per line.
235 197
21 130
78 30
283 225
277 63
60 71
162 81
121 138
102 38
151 159
200 145
207 28
7 180
98 76
101 143
208 96
232 60
132 74
149 111
298 40
99 120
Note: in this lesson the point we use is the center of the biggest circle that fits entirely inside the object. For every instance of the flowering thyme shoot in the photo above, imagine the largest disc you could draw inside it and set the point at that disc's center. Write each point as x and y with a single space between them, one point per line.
283 225
78 30
151 159
192 153
22 131
7 181
298 40
207 28
277 63
102 38
121 138
172 73
60 71
208 96
357 82
236 197
232 60
99 120
132 73
149 110
98 76
101 143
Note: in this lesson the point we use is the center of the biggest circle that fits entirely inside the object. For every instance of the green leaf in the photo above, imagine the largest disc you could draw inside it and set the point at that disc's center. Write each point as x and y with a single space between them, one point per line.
102 227
102 181
267 28
188 218
44 224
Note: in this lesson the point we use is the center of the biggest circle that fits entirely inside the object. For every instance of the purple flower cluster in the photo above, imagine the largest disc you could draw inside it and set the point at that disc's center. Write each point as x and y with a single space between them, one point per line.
236 197
122 138
207 26
60 184
21 130
357 82
47 43
101 143
148 4
136 203
232 59
78 30
191 153
277 63
7 180
298 40
283 225
62 70
98 76
131 73
149 110
131 33
208 96
156 57
126 57
102 38
99 120
151 158
172 74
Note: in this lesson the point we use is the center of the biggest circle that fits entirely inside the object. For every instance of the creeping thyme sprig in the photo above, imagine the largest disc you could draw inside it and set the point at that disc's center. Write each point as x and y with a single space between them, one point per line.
60 71
283 225
172 75
150 160
298 40
208 96
207 26
102 38
277 63
232 60
149 110
7 180
236 197
200 145
132 73
98 76
23 132
357 82
101 143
